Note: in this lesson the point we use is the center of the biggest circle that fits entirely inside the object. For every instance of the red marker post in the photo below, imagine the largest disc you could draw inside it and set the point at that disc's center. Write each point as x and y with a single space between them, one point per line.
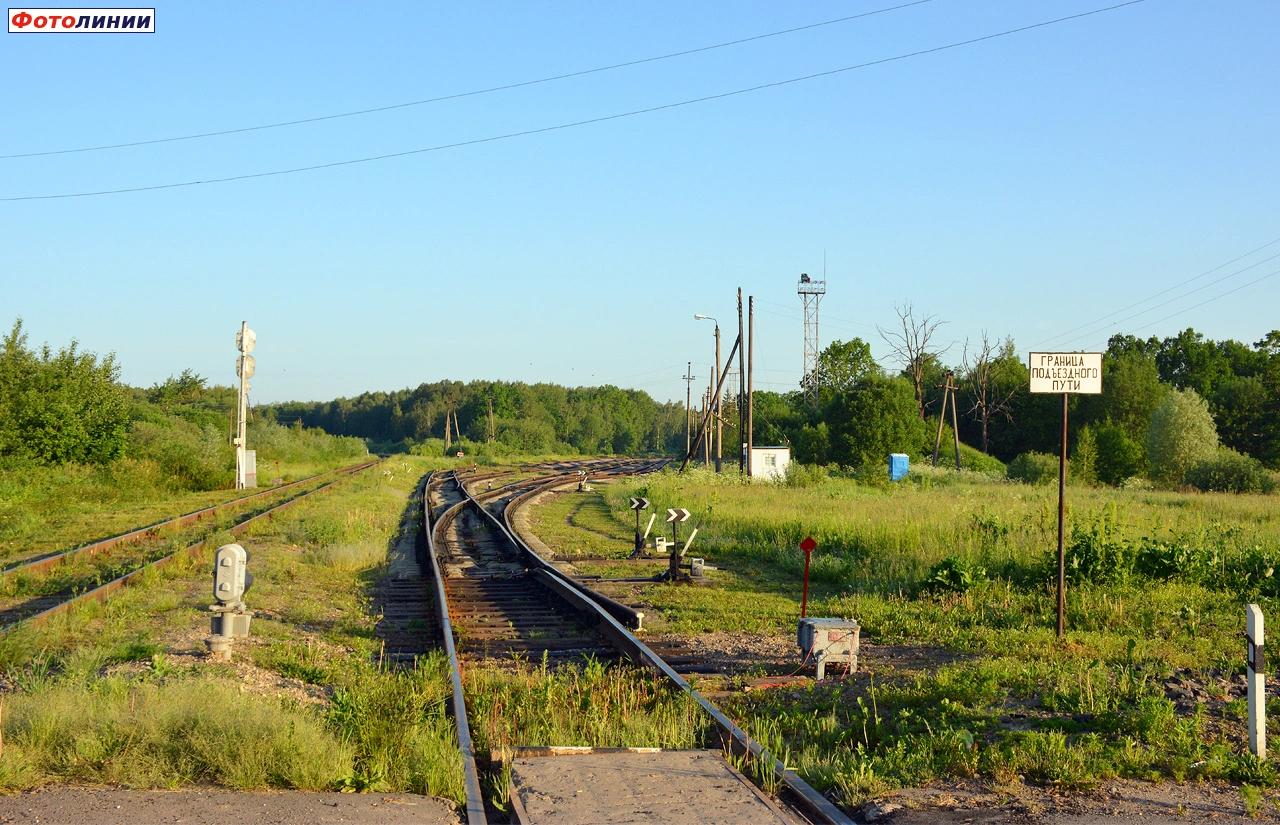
808 546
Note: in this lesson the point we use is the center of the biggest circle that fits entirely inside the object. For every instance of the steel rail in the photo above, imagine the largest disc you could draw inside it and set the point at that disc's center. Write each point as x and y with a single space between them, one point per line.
433 522
41 563
104 591
732 736
471 777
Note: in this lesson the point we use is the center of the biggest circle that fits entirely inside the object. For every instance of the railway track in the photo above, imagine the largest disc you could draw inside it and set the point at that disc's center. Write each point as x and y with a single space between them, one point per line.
40 609
41 562
496 597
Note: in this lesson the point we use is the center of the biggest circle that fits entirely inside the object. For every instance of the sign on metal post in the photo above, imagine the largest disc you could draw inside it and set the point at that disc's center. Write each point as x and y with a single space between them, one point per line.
1067 373
638 504
808 546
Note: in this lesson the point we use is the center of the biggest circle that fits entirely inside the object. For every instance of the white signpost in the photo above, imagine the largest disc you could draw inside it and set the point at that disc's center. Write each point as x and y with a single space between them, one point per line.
1256 675
1068 373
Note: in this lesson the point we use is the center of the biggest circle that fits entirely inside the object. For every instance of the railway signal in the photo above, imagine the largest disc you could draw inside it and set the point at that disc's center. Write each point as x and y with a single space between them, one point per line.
1069 373
231 580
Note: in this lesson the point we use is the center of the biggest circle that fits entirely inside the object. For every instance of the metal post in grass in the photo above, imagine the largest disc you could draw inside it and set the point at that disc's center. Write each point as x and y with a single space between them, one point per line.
1064 373
1256 675
807 546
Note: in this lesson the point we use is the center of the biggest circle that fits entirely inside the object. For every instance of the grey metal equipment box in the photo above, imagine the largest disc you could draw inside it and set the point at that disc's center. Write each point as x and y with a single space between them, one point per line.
829 640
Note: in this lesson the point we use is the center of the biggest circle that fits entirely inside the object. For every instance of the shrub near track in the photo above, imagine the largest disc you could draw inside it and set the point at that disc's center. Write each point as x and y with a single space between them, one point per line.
150 711
958 570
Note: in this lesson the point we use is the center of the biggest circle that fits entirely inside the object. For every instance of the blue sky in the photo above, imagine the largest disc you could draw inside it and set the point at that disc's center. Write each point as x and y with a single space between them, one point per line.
1022 186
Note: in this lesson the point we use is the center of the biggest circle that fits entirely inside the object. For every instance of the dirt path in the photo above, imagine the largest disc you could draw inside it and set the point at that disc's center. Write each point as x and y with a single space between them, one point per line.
108 806
1118 801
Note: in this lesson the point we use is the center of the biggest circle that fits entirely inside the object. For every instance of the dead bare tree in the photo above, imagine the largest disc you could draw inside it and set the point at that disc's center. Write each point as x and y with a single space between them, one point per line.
989 400
911 346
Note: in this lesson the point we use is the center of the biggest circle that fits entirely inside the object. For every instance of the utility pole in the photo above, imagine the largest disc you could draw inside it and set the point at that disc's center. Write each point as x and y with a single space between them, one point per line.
948 393
742 386
708 411
246 340
448 438
490 433
717 409
751 360
688 398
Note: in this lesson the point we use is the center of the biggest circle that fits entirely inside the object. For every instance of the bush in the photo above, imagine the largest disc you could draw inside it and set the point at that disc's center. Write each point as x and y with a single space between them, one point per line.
1119 456
1230 472
1033 468
1181 435
805 475
953 575
1097 552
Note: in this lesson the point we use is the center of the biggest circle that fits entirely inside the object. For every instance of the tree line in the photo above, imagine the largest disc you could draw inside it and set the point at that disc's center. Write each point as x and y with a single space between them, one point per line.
1168 405
500 416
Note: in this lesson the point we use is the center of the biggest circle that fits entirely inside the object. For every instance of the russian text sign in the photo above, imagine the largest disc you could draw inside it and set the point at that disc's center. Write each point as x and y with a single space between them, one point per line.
1066 372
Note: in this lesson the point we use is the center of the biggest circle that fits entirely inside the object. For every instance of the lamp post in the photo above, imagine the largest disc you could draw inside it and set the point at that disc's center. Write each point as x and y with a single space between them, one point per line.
715 402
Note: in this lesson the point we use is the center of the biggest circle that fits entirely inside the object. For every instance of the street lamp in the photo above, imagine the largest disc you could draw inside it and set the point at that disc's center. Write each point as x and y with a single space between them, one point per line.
715 386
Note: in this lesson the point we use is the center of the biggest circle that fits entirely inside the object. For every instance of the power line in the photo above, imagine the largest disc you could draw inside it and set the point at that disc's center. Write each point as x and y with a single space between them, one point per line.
474 92
1215 281
1214 298
1162 292
576 123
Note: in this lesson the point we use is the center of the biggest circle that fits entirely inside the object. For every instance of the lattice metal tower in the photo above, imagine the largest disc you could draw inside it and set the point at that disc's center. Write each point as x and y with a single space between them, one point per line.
810 292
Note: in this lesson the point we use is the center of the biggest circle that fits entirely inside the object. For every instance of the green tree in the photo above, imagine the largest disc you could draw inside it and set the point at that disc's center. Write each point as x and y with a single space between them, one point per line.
1181 434
843 364
60 407
878 417
1084 458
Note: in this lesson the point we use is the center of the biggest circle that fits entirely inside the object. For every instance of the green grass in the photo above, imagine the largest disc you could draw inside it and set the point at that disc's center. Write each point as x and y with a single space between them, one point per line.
593 704
144 735
960 566
367 727
45 509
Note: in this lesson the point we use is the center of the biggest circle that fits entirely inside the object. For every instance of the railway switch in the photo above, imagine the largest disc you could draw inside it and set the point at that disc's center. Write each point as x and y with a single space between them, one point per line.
829 640
230 620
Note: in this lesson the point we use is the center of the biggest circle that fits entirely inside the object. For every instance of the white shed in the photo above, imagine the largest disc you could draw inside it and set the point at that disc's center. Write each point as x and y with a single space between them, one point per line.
770 463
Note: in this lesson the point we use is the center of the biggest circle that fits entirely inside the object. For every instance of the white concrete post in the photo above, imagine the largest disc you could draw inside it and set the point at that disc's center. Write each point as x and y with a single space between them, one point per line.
1255 673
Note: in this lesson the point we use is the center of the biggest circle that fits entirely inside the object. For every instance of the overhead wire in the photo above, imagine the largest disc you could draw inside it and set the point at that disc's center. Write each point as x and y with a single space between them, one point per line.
576 123
1164 291
471 93
1214 298
1111 324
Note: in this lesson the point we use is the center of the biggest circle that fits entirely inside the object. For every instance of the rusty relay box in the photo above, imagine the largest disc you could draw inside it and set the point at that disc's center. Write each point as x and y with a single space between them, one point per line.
829 640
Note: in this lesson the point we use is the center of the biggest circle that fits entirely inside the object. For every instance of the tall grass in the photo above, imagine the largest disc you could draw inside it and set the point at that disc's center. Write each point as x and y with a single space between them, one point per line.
594 704
149 735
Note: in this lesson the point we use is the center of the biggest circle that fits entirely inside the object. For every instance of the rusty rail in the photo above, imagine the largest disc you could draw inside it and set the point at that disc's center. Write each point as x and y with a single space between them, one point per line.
733 737
41 563
104 591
